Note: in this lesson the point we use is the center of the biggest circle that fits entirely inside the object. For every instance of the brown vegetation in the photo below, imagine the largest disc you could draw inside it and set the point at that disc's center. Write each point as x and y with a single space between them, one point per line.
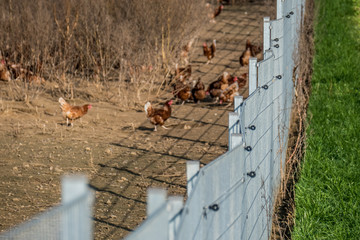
104 43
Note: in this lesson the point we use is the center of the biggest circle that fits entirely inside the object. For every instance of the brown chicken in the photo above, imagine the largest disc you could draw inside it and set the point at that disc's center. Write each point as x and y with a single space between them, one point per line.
26 74
182 74
185 50
228 78
182 91
242 80
213 13
251 50
72 113
209 52
221 83
158 116
245 56
198 92
216 88
4 73
218 10
229 93
255 49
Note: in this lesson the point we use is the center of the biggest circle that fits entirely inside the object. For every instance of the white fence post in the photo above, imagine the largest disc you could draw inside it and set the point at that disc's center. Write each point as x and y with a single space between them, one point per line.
236 140
192 168
279 9
156 197
238 100
266 34
252 75
76 222
174 206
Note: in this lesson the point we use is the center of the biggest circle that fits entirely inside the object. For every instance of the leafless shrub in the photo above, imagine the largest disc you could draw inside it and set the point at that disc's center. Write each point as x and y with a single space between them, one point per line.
82 42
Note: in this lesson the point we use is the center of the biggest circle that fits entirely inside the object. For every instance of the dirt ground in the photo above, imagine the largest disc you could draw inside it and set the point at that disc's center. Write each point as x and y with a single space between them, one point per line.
117 150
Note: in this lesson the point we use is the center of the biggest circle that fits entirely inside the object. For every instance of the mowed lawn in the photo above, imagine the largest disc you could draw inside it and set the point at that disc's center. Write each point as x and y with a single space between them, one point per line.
328 192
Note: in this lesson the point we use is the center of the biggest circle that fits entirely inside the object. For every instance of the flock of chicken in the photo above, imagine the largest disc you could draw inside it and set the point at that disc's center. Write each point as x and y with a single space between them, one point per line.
224 89
17 71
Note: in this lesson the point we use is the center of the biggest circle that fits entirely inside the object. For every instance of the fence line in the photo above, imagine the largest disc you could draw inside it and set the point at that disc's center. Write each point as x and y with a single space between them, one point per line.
233 196
71 220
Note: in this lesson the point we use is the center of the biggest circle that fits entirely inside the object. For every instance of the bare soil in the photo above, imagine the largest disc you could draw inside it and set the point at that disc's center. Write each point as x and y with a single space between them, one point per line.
118 150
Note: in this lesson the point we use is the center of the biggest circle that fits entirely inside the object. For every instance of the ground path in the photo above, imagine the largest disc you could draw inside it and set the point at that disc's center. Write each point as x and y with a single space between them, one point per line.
118 150
198 132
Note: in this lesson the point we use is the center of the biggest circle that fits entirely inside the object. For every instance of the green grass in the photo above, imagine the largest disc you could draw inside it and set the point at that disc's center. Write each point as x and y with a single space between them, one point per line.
328 192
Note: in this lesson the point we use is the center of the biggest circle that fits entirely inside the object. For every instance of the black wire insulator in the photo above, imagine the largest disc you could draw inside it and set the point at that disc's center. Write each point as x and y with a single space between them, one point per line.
252 127
248 148
215 207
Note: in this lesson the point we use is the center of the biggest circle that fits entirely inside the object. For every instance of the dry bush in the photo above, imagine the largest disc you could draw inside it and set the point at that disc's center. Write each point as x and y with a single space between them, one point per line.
283 219
123 48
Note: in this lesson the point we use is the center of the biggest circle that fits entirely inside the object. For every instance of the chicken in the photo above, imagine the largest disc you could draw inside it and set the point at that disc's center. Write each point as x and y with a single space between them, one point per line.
218 10
255 49
182 91
245 56
182 74
198 92
4 73
26 74
216 88
242 80
229 93
72 112
222 82
228 78
209 52
158 116
251 50
213 13
185 50
215 93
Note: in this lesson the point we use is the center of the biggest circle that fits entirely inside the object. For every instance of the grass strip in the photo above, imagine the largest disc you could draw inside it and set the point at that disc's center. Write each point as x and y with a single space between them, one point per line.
327 195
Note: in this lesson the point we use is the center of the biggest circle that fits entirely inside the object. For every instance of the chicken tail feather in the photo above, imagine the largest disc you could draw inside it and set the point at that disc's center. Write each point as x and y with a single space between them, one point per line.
147 105
63 103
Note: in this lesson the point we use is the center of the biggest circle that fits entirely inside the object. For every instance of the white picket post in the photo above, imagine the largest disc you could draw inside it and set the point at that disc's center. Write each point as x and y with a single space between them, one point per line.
192 168
252 75
174 205
238 100
236 140
156 197
76 223
279 9
266 35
